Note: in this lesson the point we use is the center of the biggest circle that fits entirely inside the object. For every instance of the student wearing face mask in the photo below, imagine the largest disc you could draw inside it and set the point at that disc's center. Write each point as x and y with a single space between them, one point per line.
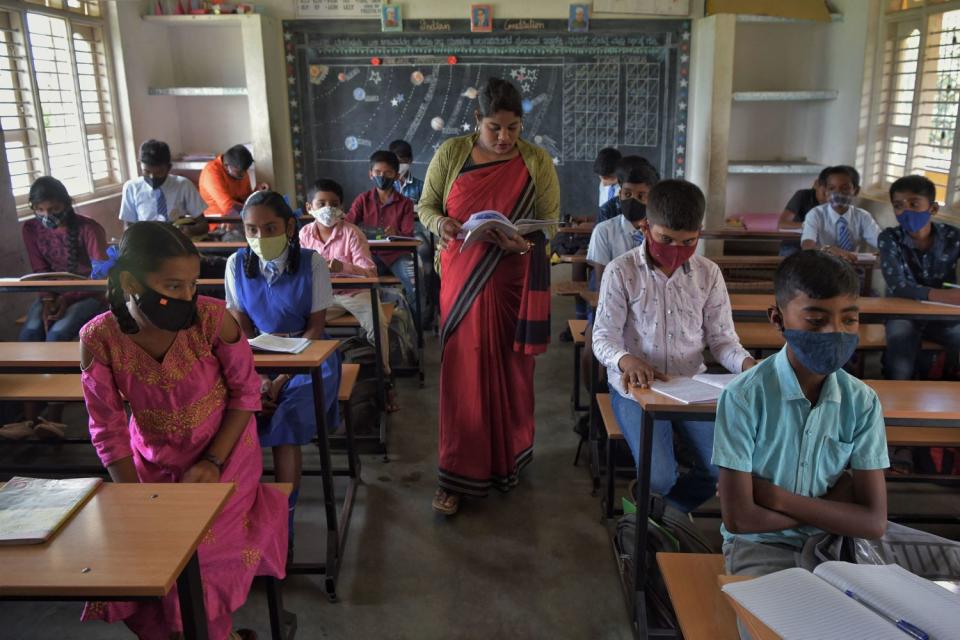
382 211
275 286
918 259
181 365
838 226
225 183
346 251
159 195
605 167
638 190
660 307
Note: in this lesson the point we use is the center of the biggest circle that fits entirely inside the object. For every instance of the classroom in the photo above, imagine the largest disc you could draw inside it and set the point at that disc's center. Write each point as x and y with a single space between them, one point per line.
393 319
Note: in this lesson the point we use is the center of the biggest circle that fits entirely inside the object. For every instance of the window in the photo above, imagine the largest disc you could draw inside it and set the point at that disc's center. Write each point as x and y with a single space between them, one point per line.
56 110
919 95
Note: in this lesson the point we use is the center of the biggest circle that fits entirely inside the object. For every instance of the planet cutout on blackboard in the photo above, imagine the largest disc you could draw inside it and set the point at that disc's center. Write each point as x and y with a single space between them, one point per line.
359 94
470 93
437 124
527 105
416 78
342 77
351 143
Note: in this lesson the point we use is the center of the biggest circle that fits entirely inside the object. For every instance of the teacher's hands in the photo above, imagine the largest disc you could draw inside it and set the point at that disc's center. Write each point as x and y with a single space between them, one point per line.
449 229
509 243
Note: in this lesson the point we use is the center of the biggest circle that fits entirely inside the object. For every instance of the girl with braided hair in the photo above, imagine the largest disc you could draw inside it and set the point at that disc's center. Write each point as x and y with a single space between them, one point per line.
181 363
274 286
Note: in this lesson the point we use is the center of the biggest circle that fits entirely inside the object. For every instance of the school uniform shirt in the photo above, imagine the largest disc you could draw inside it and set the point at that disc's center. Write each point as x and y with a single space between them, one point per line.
367 212
346 244
820 226
666 322
609 209
765 426
611 239
910 273
411 187
140 201
607 191
321 291
801 203
220 191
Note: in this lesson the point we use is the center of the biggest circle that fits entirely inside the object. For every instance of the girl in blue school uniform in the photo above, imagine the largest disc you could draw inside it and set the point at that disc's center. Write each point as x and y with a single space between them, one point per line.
275 286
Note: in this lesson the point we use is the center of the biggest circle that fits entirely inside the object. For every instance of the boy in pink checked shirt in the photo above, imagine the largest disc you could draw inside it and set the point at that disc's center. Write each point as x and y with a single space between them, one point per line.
347 252
660 306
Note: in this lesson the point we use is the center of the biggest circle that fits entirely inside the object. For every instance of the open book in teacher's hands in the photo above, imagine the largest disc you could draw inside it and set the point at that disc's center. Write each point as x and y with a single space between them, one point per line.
479 226
846 600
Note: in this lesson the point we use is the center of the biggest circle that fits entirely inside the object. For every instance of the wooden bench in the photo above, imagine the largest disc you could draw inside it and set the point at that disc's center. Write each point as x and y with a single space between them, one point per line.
348 379
577 330
569 288
755 336
614 435
610 423
41 387
702 610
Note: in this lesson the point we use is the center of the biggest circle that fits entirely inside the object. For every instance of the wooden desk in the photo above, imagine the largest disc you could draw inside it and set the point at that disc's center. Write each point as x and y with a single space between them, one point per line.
592 298
41 387
739 233
130 541
584 228
569 288
754 306
577 258
702 610
746 262
15 285
757 630
918 402
64 357
577 329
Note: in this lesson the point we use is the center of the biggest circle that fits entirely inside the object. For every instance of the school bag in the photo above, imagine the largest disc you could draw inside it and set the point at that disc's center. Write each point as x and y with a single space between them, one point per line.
669 530
362 406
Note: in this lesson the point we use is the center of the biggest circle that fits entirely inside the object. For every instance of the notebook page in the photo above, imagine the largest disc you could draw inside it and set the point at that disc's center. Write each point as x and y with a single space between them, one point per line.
900 594
267 342
718 380
797 605
687 390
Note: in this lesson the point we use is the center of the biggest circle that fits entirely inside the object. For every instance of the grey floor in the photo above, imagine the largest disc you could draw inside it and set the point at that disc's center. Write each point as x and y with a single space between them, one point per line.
534 563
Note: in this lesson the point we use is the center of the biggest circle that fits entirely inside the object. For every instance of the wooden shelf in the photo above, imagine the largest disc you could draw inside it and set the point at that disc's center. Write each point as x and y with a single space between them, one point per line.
190 165
206 20
773 168
784 96
746 18
202 92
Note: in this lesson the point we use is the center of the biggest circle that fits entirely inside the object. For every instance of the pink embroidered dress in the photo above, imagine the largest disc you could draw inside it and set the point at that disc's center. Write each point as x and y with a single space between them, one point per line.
178 405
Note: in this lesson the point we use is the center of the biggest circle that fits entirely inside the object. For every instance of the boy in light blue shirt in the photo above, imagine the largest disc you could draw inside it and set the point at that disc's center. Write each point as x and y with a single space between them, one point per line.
788 429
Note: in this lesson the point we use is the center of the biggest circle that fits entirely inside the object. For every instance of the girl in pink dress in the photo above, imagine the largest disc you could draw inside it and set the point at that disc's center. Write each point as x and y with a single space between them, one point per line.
181 363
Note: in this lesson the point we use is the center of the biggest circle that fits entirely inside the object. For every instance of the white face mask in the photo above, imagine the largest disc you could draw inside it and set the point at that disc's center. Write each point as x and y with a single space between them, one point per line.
329 216
404 168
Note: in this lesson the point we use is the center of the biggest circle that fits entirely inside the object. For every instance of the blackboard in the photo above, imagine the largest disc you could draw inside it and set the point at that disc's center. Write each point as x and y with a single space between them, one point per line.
353 89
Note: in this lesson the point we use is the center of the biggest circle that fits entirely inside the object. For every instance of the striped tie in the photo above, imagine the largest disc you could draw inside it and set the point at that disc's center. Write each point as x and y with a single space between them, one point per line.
637 239
612 191
844 241
161 204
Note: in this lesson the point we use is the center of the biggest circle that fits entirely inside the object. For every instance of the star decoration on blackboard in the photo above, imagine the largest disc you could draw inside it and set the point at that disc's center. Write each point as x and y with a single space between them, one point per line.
374 77
465 126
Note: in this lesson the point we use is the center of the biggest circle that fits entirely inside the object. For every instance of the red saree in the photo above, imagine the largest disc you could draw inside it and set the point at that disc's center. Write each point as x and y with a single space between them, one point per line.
486 381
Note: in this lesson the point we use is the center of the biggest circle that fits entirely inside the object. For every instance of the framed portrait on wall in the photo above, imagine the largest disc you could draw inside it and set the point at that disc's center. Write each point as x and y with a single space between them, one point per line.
579 20
481 18
391 18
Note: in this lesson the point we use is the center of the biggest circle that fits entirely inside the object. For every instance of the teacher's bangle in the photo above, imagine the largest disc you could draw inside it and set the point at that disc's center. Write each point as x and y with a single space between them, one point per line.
527 250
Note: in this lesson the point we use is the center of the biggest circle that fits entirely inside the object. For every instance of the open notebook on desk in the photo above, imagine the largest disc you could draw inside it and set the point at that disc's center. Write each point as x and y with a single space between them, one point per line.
850 602
277 344
702 388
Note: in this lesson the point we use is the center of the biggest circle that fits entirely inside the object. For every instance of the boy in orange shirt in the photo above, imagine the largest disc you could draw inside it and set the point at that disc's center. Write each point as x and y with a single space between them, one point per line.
224 184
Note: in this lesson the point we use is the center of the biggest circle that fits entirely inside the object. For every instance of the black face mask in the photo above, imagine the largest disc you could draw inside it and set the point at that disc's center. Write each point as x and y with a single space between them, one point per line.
155 182
169 314
633 210
53 220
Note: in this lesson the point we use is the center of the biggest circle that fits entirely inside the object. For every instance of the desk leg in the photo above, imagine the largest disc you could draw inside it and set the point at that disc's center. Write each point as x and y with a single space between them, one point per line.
575 392
594 426
193 613
381 384
643 511
283 624
419 311
326 477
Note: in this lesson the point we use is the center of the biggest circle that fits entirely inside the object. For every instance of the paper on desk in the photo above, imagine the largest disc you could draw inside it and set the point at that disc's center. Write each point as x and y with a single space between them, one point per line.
277 344
939 304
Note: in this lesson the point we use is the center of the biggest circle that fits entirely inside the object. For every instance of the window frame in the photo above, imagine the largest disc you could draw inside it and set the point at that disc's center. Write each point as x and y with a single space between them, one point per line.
99 24
882 93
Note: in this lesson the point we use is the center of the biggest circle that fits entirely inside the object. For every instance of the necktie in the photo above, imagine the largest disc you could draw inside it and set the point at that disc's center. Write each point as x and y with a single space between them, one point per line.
844 241
271 272
637 239
612 191
161 204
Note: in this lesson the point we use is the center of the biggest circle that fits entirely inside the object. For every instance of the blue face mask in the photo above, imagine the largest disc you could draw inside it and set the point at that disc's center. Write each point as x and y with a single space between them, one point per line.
822 353
838 199
913 221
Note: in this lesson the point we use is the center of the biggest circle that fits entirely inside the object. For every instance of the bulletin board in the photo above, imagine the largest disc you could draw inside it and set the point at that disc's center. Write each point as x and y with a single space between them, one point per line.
352 90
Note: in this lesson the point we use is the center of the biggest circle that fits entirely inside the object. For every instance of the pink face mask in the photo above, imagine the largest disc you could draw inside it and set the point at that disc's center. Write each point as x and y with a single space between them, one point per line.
670 256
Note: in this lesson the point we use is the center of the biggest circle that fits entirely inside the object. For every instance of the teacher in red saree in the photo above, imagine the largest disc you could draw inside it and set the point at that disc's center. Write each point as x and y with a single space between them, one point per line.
494 297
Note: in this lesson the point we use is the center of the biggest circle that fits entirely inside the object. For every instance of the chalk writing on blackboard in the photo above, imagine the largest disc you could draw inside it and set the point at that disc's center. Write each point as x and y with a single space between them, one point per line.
337 9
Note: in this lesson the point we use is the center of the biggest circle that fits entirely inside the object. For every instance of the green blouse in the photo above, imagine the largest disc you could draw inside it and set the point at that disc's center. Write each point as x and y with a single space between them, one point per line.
449 160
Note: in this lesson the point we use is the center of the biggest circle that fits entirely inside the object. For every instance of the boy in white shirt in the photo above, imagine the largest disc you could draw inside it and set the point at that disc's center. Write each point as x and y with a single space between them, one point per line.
159 195
660 306
837 226
605 166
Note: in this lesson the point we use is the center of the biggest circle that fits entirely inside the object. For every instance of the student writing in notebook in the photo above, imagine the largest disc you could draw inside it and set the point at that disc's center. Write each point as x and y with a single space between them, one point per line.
787 430
660 307
181 364
917 258
839 226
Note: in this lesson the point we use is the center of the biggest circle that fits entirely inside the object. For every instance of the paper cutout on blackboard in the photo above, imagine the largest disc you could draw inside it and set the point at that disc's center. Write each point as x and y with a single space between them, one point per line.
524 76
437 124
318 73
527 105
466 126
396 100
416 78
374 77
345 76
470 92
359 94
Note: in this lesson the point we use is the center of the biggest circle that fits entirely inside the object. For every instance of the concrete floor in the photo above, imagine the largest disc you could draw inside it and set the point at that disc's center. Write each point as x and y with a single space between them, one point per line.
534 563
